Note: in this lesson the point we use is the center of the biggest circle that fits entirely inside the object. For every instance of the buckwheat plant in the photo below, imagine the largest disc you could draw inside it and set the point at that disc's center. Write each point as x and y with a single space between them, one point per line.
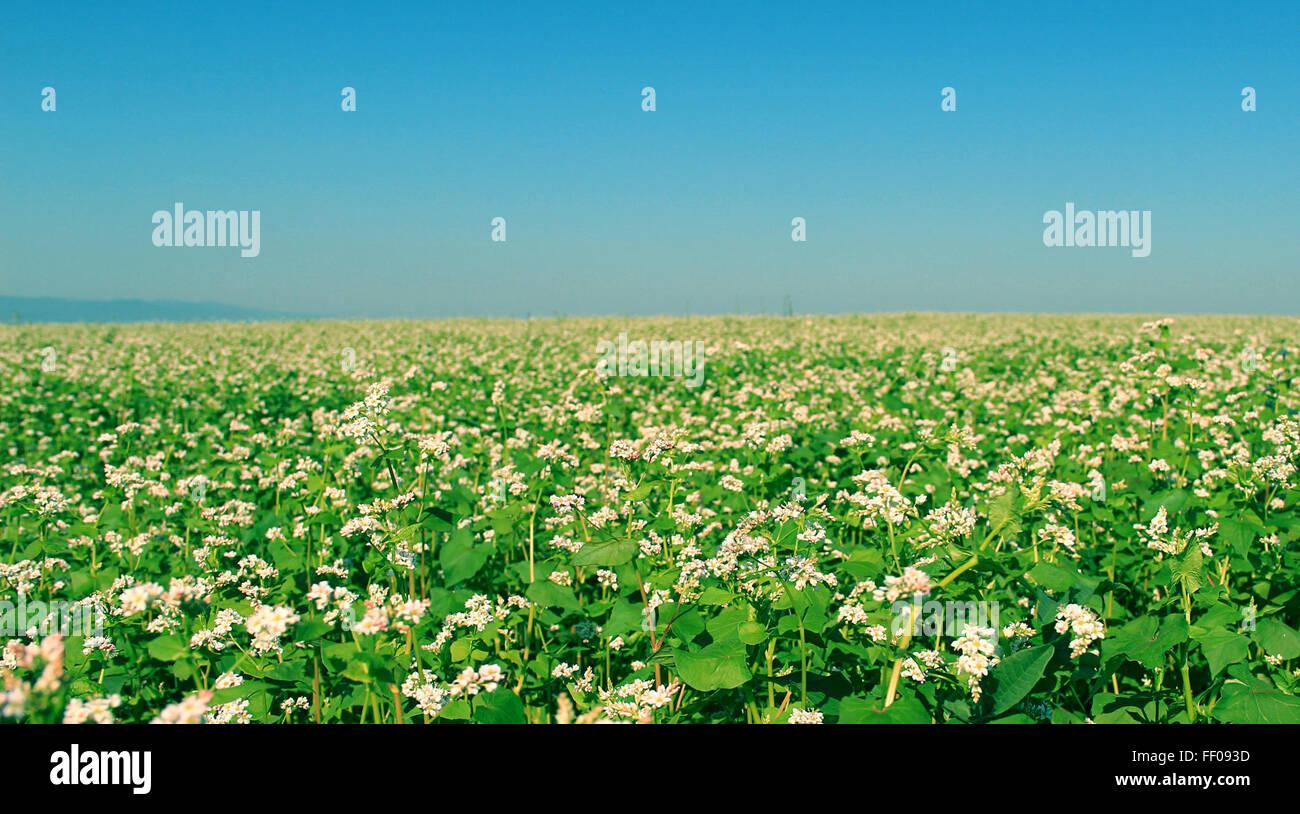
464 521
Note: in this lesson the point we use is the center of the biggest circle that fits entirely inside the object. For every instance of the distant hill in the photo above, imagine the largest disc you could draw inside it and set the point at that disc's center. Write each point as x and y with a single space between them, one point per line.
56 309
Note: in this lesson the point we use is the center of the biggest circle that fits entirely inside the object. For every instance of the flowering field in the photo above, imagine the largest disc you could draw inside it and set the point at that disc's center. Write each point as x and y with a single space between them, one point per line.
906 518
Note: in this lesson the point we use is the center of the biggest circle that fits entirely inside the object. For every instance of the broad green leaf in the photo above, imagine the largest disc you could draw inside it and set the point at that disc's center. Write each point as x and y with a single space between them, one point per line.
1239 535
1277 639
461 559
606 552
248 689
1221 648
1188 567
1219 615
719 666
369 667
457 710
499 707
438 519
549 595
1005 512
726 625
460 650
904 710
641 492
168 648
503 521
1146 640
1017 674
311 629
1052 576
1249 699
289 671
625 617
715 596
752 632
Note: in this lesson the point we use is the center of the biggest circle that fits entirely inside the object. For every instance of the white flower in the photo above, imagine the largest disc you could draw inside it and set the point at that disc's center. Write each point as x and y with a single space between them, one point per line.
799 716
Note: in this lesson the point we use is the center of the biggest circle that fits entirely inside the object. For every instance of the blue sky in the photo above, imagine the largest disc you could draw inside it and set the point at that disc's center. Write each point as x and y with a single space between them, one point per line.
765 111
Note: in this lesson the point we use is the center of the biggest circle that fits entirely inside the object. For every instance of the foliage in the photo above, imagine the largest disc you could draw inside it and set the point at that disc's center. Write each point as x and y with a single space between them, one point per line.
465 522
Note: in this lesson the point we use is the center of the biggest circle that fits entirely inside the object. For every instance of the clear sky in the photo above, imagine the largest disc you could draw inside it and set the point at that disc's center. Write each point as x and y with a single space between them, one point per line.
765 112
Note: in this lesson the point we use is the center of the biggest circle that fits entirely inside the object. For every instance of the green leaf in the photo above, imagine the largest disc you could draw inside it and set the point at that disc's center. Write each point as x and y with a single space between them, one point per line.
606 552
499 707
460 650
1249 699
1017 674
1015 718
720 666
726 625
1188 567
503 521
168 648
1108 708
461 559
1221 648
549 595
1277 639
1172 501
641 492
624 617
1052 576
248 689
1219 615
1005 512
311 629
1237 534
438 519
368 667
1146 640
289 671
358 671
715 596
457 710
904 710
285 558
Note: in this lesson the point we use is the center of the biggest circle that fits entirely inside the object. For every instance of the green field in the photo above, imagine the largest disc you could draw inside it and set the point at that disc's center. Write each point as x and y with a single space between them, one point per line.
1087 519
